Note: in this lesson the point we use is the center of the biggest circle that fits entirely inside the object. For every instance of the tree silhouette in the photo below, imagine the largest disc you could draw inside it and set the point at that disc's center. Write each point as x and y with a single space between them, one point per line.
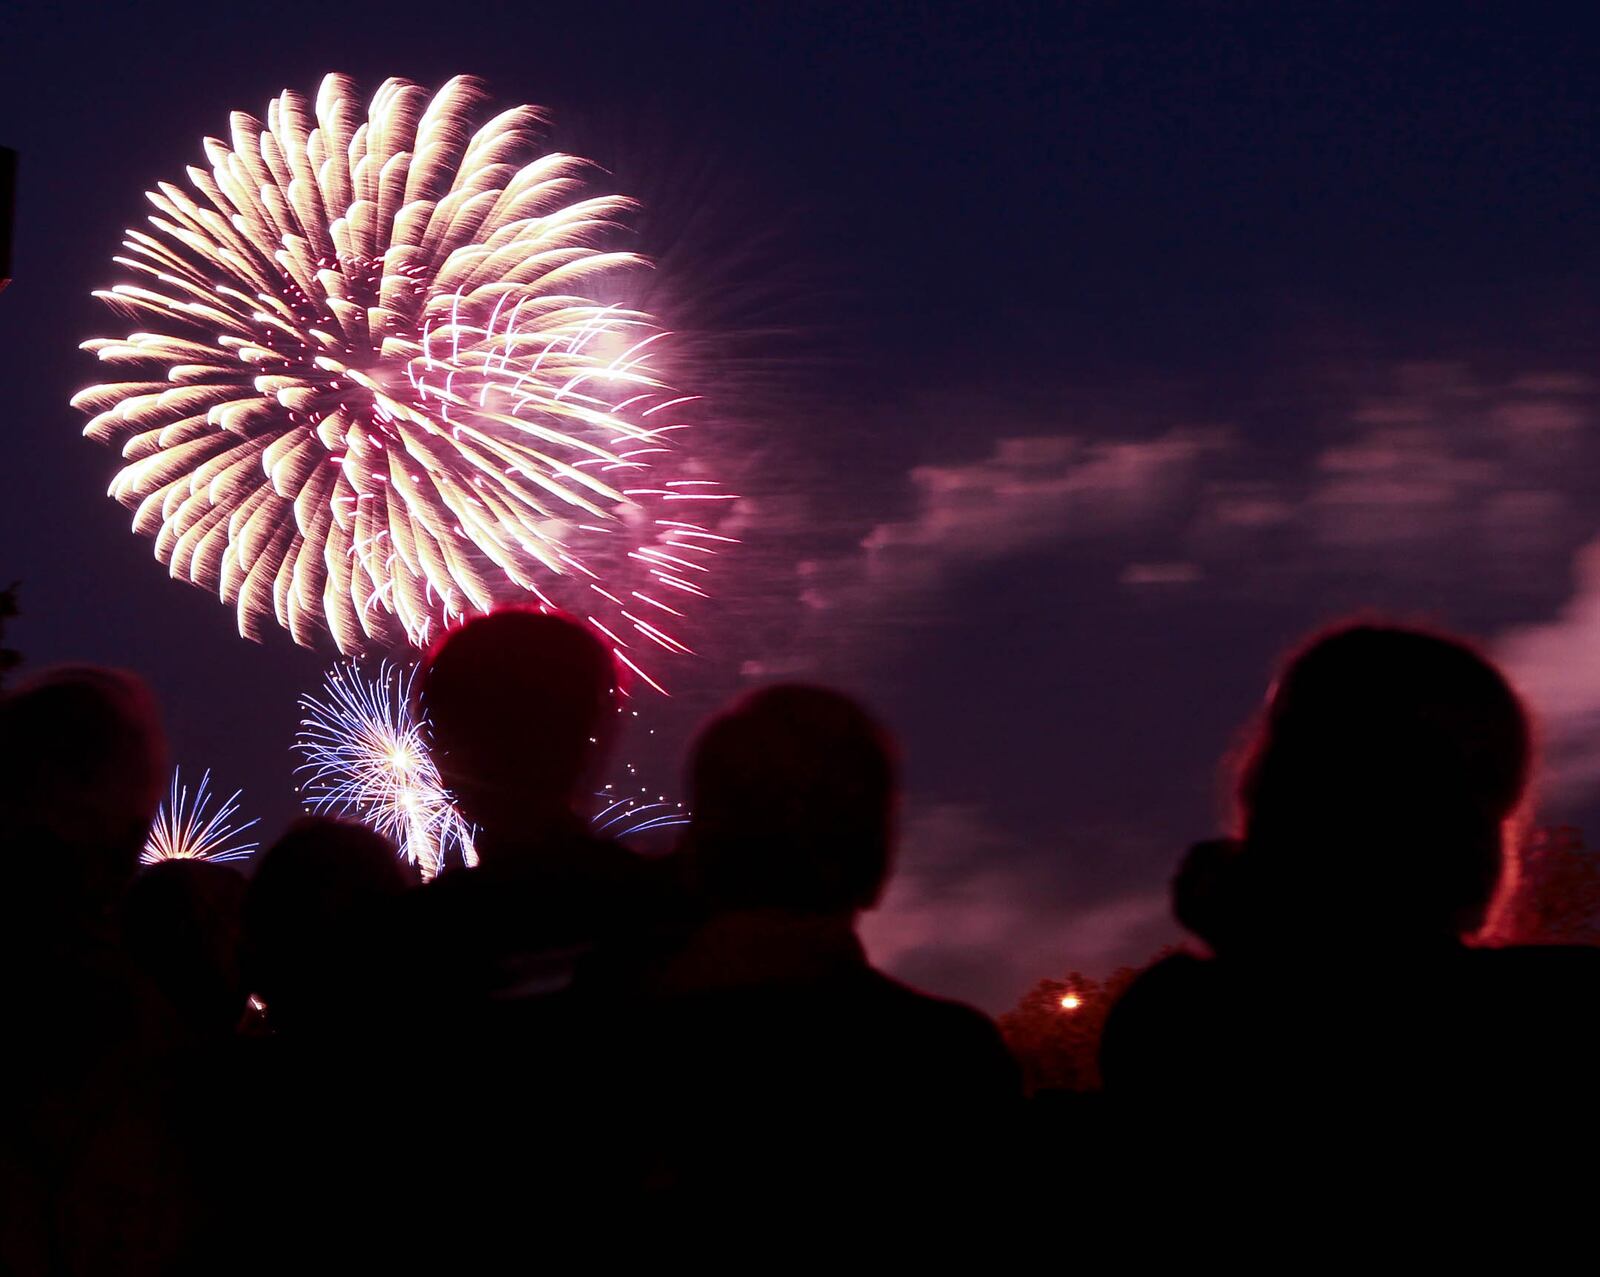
1055 1030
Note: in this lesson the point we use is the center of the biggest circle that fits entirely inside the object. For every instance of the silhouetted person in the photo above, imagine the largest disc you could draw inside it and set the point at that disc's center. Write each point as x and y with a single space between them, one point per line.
89 1178
82 762
522 708
181 924
1341 1007
783 1062
326 1099
309 919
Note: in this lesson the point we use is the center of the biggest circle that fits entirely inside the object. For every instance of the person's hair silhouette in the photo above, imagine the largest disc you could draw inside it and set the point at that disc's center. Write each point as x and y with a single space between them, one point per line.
82 762
521 707
1374 794
182 923
307 918
792 794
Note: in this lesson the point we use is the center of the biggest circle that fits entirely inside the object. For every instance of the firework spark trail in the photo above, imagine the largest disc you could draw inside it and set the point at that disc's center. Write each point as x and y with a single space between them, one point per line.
183 831
625 817
366 757
376 390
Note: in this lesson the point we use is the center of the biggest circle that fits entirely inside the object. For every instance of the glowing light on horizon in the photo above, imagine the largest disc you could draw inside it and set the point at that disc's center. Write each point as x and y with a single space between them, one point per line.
183 829
379 386
1070 1002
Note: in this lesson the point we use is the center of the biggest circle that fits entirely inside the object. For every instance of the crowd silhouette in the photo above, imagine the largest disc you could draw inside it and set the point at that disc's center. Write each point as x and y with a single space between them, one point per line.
214 1075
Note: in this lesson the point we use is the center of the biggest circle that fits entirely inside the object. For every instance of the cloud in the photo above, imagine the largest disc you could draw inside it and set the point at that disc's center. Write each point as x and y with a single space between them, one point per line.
1036 493
1557 667
1428 473
1434 476
1031 492
975 913
1419 487
1162 574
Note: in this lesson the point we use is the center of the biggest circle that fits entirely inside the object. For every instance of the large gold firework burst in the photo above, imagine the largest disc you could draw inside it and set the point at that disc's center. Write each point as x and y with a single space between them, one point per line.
379 388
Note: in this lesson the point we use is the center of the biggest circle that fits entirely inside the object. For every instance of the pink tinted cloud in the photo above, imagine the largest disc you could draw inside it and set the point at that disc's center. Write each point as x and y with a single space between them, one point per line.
1556 665
995 914
1040 490
1035 492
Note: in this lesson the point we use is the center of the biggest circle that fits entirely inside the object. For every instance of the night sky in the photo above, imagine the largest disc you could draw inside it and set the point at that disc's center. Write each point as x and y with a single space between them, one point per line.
1072 359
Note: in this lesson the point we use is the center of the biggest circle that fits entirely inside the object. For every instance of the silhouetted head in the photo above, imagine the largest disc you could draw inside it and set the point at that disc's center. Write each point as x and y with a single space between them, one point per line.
522 706
1385 766
793 795
82 760
307 909
182 923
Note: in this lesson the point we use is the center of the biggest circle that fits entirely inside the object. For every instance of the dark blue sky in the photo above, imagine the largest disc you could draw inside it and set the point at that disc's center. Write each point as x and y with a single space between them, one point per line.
1073 358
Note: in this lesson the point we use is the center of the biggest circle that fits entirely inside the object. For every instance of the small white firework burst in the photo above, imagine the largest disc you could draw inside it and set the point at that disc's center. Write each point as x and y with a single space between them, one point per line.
366 757
184 830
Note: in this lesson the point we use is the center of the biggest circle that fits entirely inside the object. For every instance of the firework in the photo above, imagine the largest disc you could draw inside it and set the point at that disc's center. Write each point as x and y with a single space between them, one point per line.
622 817
183 830
378 383
366 757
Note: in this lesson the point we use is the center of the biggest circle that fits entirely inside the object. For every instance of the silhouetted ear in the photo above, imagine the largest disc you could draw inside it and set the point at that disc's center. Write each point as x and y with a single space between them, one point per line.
1206 890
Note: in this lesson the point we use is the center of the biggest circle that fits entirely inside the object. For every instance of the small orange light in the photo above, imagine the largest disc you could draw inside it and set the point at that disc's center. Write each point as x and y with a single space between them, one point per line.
1070 1002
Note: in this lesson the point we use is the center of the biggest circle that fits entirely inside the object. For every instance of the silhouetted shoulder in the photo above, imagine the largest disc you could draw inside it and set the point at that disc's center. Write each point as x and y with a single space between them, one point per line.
522 928
964 1037
573 887
1543 962
1544 995
1149 1032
